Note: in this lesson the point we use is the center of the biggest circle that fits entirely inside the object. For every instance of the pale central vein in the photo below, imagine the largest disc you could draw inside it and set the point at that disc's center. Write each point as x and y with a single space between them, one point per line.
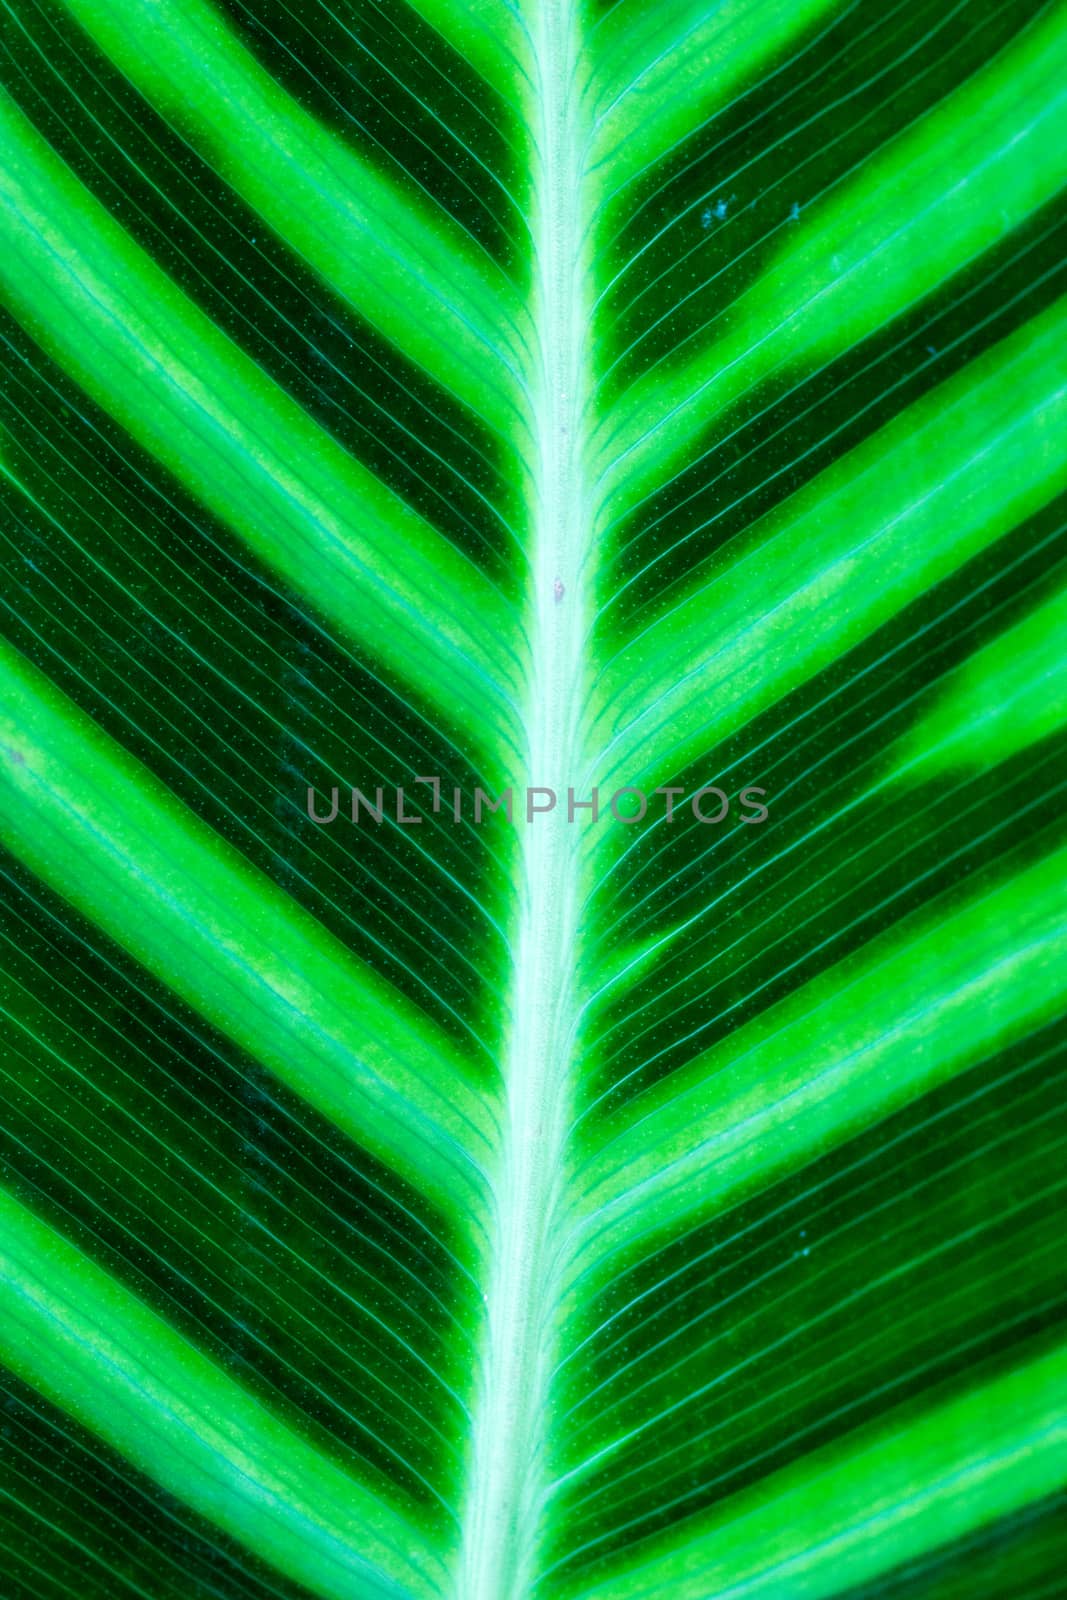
510 1470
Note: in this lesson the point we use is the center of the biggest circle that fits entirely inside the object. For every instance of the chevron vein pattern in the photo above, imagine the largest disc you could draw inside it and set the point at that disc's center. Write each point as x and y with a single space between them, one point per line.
439 398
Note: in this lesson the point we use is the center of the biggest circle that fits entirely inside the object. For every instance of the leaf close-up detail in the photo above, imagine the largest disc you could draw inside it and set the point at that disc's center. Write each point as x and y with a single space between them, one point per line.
533 759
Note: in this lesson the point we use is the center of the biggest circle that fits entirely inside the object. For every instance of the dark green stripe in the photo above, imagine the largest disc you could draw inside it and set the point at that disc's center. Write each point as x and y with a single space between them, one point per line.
390 84
766 908
696 231
312 1274
381 407
160 626
787 431
899 1266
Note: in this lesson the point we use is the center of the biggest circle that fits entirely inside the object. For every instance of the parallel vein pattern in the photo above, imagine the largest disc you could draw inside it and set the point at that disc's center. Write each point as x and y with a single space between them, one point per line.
427 397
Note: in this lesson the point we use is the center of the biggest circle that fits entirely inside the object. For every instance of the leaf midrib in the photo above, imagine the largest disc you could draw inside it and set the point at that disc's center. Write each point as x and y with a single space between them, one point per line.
510 1468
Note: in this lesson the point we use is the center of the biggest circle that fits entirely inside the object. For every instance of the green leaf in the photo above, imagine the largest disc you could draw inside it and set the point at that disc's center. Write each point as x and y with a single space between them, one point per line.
187 906
1011 694
424 289
660 73
940 482
941 194
650 419
142 349
842 1521
79 1337
841 1053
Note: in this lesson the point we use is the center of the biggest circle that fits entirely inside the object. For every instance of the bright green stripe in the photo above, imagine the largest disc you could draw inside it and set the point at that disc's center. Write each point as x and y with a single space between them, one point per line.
188 394
1007 696
862 1039
663 68
407 269
487 33
91 1346
902 511
96 826
941 195
855 1510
